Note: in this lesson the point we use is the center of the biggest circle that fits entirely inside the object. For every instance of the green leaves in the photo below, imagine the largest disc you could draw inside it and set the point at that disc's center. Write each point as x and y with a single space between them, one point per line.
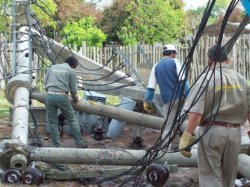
145 21
45 10
83 30
219 9
152 21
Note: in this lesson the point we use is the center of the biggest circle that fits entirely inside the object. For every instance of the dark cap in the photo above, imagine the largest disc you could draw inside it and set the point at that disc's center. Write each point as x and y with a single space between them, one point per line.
72 61
217 53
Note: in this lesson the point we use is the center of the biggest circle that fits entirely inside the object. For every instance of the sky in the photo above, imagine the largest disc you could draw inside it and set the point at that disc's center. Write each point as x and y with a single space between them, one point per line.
192 4
188 3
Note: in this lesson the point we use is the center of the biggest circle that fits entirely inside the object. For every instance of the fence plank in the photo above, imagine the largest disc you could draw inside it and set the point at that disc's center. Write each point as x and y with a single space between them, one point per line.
239 55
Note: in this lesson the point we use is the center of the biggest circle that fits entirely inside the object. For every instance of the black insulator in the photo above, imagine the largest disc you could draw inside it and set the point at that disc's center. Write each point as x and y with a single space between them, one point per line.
32 176
11 176
157 174
137 143
98 134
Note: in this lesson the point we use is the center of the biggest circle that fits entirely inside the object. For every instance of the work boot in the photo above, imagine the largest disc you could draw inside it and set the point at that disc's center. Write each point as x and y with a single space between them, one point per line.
84 145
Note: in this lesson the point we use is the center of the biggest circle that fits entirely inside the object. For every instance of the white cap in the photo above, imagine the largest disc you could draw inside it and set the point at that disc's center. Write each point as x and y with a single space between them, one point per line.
169 47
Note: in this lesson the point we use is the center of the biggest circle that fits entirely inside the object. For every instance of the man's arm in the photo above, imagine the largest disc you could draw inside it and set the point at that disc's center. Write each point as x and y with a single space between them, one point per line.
46 79
149 92
187 137
73 87
193 120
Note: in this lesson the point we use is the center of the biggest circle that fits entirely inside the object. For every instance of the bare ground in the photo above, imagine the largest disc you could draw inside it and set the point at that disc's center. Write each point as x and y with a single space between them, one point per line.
185 177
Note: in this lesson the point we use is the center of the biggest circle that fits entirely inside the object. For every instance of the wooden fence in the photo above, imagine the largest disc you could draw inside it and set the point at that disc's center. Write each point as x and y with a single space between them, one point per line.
134 55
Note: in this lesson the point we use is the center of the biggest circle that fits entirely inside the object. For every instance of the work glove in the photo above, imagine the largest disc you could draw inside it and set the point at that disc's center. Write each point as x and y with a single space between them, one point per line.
185 141
147 107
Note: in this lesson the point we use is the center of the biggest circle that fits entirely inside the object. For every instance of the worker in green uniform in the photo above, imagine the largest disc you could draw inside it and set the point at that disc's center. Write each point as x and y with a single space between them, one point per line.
219 102
59 81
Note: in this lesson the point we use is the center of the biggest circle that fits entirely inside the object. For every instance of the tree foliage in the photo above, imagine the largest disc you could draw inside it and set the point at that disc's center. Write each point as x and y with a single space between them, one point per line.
112 19
218 11
153 21
45 11
237 15
4 19
83 30
72 10
145 21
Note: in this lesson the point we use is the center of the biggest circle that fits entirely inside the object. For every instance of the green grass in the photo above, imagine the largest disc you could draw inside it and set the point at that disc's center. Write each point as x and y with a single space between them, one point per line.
4 113
112 100
4 106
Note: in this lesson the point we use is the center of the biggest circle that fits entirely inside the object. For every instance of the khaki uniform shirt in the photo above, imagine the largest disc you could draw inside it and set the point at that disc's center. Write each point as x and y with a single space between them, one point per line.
226 89
61 77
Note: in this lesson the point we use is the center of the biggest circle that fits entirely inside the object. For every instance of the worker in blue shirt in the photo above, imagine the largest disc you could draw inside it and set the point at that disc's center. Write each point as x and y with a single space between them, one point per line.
169 76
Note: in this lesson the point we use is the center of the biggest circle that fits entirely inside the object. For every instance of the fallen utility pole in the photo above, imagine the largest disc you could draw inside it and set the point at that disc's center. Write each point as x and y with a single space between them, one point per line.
111 112
121 157
124 157
244 165
128 116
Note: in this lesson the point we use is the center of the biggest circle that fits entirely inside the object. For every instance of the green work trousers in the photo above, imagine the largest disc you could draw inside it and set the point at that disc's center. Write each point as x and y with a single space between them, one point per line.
53 103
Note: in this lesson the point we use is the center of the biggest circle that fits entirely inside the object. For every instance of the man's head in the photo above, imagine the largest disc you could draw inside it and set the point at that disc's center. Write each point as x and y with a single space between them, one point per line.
169 50
217 54
72 61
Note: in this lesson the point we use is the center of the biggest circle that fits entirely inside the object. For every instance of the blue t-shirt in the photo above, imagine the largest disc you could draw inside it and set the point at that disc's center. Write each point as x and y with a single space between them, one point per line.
167 79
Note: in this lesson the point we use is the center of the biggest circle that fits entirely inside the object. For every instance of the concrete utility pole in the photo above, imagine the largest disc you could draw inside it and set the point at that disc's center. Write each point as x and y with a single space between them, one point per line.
17 89
111 112
16 153
124 157
90 156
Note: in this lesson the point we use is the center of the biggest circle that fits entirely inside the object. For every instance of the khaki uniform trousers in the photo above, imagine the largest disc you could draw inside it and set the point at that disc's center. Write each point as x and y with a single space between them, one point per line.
171 115
218 156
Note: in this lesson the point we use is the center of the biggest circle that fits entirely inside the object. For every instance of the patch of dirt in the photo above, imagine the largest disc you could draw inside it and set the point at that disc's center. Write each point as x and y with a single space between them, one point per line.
185 177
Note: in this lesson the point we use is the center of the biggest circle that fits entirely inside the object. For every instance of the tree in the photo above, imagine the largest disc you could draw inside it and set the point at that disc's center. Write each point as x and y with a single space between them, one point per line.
237 15
112 19
145 21
45 11
72 10
4 19
218 10
83 30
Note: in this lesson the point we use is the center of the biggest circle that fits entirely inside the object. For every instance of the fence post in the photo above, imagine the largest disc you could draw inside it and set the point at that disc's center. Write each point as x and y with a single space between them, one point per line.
84 48
239 55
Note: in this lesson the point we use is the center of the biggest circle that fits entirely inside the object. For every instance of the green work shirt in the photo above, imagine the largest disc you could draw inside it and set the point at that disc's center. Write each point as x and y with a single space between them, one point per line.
220 91
61 77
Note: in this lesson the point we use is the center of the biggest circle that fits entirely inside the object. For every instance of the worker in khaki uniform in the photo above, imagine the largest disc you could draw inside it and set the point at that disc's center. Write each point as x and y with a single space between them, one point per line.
219 102
59 81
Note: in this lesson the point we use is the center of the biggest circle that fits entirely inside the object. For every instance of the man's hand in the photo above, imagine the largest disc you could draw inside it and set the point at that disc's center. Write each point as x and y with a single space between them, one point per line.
147 107
186 140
